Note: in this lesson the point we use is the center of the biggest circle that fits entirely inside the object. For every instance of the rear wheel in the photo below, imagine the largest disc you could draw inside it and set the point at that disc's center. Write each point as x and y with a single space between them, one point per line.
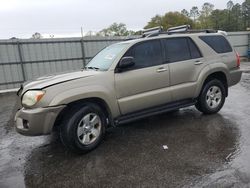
212 97
83 129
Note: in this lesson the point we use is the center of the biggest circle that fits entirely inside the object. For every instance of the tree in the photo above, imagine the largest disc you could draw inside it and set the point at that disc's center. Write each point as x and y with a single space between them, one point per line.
37 35
219 19
237 18
154 22
230 5
205 13
170 19
207 9
246 14
234 17
115 30
194 13
185 12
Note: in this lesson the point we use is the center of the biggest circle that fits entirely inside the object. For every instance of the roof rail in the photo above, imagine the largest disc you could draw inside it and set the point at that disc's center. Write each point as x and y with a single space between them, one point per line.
224 33
156 31
152 31
181 28
194 31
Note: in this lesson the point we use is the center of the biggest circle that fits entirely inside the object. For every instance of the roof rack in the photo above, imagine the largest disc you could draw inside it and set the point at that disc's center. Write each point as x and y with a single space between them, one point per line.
152 31
156 31
181 28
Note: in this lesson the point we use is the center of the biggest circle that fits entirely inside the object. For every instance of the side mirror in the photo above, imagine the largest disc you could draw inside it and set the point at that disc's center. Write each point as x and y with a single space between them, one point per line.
126 62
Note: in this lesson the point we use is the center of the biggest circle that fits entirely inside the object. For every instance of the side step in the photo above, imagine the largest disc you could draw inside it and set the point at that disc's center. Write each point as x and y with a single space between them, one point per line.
154 111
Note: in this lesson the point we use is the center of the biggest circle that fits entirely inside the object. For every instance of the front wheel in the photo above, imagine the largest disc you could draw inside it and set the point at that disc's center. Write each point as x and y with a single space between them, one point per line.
83 128
212 97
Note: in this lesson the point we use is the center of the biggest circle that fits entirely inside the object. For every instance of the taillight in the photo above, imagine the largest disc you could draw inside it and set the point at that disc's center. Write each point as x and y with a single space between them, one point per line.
238 59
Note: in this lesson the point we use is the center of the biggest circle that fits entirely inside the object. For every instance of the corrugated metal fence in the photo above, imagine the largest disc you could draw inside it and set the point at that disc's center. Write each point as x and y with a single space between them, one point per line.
240 41
26 59
22 60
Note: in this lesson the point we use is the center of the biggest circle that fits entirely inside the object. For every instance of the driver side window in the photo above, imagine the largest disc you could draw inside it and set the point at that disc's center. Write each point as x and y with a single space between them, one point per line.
146 54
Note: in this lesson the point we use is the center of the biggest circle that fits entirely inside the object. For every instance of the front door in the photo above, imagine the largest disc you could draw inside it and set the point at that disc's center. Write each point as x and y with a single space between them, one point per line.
146 84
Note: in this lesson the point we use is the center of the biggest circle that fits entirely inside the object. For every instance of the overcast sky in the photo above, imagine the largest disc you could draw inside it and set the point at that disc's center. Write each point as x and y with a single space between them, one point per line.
22 18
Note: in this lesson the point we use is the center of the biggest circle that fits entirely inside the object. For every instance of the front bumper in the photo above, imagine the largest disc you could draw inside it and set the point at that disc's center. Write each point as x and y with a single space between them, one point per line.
38 121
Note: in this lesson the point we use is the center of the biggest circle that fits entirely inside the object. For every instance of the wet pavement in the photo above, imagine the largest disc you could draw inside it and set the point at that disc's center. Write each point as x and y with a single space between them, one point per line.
203 151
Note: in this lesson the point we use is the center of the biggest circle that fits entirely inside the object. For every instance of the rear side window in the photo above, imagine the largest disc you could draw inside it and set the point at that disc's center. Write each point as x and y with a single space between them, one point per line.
181 49
146 54
218 43
177 49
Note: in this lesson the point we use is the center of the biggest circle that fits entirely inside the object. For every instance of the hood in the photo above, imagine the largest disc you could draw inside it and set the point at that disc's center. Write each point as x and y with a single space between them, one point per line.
48 81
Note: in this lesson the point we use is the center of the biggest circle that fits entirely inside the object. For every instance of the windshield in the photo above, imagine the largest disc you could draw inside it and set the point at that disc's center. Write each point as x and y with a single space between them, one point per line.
104 59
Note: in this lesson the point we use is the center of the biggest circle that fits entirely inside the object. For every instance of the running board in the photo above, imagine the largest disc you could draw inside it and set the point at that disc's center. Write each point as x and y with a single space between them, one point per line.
154 111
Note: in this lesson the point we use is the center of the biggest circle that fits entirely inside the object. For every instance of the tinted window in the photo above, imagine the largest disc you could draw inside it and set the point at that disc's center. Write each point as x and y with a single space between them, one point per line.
146 54
194 50
217 43
177 49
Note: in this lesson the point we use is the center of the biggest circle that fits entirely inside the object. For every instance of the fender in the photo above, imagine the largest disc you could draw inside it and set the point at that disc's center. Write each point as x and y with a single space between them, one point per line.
208 70
85 92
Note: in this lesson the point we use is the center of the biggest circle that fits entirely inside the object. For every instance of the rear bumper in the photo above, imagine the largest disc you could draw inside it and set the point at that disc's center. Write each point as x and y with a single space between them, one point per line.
38 121
235 77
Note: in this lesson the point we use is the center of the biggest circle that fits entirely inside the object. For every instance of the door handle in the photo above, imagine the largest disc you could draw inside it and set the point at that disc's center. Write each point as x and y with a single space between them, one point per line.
162 69
198 62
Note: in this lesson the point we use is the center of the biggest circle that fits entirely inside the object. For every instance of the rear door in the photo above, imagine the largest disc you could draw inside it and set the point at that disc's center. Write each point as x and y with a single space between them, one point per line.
146 84
185 64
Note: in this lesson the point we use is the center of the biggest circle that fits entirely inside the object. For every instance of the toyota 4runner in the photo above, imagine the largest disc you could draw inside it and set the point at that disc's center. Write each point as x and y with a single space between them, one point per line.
130 80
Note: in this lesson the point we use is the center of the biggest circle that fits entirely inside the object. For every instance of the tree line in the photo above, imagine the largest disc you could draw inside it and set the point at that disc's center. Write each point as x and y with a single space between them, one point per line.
235 17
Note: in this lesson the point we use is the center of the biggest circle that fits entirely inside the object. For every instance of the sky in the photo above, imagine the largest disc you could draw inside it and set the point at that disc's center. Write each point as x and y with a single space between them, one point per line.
64 18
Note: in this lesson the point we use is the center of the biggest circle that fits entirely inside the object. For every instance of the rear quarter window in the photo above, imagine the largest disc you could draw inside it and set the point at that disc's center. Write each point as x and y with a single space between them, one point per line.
218 43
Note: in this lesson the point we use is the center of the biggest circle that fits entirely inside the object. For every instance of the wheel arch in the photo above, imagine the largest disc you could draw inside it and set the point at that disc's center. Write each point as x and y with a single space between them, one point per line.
216 74
219 76
80 103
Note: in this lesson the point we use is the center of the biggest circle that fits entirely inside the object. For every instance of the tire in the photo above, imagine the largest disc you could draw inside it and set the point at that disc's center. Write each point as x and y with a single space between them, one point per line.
212 97
83 128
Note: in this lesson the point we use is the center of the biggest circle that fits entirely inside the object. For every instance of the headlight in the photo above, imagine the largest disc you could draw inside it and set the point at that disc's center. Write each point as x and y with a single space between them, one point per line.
32 97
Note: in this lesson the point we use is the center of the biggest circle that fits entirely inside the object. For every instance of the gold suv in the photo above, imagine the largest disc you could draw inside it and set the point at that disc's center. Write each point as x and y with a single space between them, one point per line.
159 72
